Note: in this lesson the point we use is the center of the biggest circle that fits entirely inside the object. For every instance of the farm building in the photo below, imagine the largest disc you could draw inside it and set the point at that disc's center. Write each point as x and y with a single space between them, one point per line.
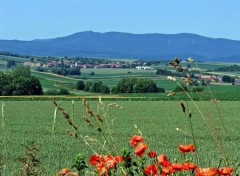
237 81
32 64
144 68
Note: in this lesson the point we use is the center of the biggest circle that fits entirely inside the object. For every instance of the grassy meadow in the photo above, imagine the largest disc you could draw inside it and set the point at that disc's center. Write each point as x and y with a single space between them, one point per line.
157 120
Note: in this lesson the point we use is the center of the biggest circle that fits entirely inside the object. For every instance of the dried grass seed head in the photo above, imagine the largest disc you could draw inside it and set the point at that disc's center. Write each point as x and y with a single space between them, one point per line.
171 78
176 60
190 59
99 118
183 107
171 94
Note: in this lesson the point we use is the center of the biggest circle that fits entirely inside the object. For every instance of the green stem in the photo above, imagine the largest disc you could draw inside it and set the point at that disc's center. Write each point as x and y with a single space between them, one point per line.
194 142
4 133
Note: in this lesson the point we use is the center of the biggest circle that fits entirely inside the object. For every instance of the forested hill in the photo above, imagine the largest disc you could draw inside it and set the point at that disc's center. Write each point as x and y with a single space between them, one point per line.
126 45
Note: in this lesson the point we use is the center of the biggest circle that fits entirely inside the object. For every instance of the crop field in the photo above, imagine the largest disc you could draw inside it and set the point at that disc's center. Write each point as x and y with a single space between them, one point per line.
52 76
203 66
3 65
157 120
233 74
207 65
115 72
108 77
16 59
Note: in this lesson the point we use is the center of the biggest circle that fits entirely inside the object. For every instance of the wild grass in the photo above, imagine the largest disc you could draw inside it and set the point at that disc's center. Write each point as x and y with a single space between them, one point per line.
157 120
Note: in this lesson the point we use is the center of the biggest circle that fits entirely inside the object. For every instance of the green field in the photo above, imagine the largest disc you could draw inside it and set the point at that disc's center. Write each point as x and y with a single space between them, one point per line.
203 66
233 74
111 76
4 59
53 81
16 59
114 73
158 120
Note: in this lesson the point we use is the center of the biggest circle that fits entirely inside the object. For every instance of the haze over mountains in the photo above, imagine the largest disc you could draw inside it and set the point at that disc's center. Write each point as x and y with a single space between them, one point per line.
126 45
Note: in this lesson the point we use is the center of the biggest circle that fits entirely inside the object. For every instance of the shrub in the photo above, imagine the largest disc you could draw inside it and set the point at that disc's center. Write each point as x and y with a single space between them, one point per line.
74 71
105 89
80 85
92 73
145 85
180 88
51 92
41 69
87 86
228 79
159 89
96 87
197 89
63 91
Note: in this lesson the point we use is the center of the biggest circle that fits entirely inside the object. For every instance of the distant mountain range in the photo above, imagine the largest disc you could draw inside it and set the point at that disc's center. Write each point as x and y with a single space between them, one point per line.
126 45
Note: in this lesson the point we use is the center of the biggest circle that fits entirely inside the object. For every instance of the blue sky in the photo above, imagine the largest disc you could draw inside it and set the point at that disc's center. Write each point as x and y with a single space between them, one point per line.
39 19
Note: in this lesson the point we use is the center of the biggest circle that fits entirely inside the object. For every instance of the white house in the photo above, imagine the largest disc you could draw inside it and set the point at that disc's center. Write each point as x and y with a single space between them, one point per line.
237 81
144 68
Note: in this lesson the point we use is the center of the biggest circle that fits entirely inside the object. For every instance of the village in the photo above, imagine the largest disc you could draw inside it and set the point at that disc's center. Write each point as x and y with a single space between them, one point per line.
90 63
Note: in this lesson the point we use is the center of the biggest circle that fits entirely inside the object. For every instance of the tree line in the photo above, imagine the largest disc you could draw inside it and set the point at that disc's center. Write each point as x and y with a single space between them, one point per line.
124 85
65 71
231 68
168 73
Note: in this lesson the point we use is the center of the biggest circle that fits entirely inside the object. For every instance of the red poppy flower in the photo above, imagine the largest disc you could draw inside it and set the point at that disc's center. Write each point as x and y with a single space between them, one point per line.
109 161
162 160
106 158
135 139
177 166
206 172
162 174
100 167
64 171
152 154
151 169
95 159
186 148
140 149
74 174
119 158
167 170
189 166
225 170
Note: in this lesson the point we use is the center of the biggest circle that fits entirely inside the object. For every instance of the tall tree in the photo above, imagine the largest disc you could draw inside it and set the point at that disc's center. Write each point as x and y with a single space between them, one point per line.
80 85
21 71
11 63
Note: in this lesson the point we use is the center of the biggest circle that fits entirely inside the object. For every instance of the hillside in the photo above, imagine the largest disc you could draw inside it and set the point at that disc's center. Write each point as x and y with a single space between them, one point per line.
126 45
